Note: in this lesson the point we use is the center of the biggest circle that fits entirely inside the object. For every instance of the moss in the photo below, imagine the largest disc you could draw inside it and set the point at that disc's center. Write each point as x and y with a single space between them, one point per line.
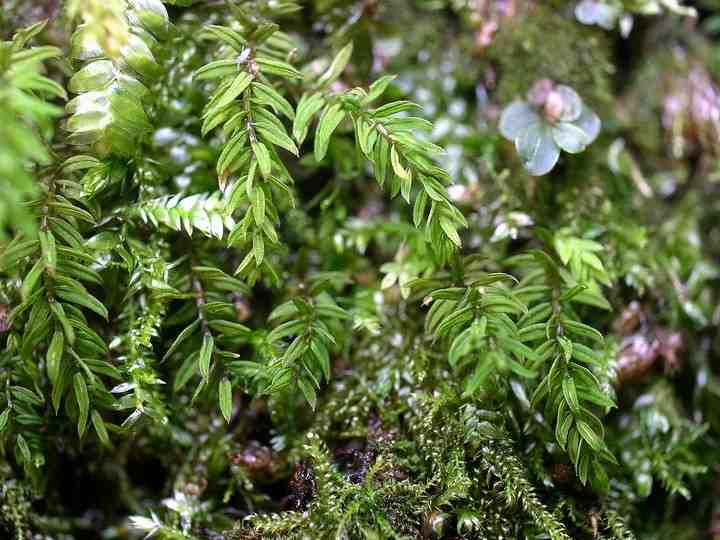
544 43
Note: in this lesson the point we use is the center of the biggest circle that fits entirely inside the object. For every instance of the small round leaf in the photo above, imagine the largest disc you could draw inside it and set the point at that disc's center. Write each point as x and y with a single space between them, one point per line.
572 104
537 149
515 118
569 137
589 123
594 12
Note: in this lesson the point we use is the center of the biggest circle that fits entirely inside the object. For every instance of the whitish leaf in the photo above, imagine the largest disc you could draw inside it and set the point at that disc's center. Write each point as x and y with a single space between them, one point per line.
569 137
595 12
589 123
122 388
572 104
515 118
537 149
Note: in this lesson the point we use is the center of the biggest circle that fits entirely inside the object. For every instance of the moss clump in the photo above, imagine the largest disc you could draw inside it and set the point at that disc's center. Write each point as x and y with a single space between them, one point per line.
542 42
